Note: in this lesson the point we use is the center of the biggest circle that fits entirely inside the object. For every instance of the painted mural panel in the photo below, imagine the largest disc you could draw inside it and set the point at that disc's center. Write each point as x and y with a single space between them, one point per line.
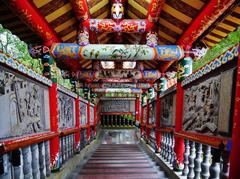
83 113
24 105
201 106
167 110
66 113
144 114
91 114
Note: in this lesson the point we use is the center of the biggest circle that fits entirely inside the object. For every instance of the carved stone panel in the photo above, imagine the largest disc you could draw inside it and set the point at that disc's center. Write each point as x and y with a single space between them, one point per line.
152 113
167 110
118 106
91 114
24 105
66 112
83 113
201 106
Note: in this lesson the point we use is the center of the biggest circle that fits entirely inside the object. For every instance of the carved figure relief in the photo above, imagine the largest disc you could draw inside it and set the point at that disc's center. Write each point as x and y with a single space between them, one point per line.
167 110
22 105
91 114
152 113
65 110
116 106
83 113
201 106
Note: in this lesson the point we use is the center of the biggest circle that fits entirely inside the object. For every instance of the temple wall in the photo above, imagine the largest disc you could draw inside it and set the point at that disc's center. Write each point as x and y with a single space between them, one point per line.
118 106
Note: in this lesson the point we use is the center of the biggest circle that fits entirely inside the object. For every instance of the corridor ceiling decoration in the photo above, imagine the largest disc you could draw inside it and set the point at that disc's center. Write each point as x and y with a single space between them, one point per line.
173 20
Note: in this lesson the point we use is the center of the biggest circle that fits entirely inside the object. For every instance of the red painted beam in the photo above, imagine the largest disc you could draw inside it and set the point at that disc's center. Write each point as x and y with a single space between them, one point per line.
126 25
201 23
80 8
77 125
154 10
30 15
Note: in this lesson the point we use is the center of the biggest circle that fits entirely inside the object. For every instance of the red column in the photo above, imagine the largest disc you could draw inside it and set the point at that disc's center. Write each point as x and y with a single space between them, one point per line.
95 120
88 122
137 106
28 12
54 143
141 123
179 143
77 134
148 130
235 154
158 134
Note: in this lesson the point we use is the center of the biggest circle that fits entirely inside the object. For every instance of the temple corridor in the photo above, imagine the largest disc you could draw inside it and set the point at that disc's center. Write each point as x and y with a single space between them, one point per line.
119 89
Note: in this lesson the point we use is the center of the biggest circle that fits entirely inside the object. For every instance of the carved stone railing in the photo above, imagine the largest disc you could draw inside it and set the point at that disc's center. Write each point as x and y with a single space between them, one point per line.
27 157
205 156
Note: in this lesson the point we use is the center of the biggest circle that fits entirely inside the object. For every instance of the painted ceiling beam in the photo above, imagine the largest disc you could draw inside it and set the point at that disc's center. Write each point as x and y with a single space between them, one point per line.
82 13
30 15
89 75
115 85
118 90
154 10
126 25
65 51
211 12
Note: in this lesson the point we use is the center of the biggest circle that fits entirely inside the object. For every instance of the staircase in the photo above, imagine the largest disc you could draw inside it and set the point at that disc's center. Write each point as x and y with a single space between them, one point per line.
119 161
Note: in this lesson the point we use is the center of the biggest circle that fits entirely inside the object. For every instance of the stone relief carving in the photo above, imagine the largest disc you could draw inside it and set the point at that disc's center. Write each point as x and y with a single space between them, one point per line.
65 110
152 113
201 106
167 110
116 106
21 104
92 114
83 113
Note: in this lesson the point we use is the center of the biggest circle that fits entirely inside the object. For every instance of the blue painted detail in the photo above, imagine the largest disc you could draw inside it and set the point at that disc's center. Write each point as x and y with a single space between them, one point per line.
229 145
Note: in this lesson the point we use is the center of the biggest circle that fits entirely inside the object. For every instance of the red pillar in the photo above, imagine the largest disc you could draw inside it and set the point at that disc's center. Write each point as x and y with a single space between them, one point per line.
179 142
158 134
235 154
141 123
95 120
28 12
137 106
54 143
148 130
77 134
88 122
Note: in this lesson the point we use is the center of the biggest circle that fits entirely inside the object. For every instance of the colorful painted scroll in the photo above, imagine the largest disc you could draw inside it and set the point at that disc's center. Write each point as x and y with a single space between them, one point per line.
113 74
64 51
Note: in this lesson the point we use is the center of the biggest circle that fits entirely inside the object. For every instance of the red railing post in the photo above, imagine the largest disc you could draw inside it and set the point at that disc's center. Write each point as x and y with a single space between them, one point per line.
77 134
137 106
179 142
148 129
235 154
54 142
88 122
157 124
95 120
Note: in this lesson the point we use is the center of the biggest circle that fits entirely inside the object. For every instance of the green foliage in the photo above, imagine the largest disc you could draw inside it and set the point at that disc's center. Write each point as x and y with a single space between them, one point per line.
231 40
12 46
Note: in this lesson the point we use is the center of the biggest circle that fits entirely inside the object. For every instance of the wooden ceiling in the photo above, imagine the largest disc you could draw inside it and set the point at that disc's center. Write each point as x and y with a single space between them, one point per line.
16 26
174 19
229 22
